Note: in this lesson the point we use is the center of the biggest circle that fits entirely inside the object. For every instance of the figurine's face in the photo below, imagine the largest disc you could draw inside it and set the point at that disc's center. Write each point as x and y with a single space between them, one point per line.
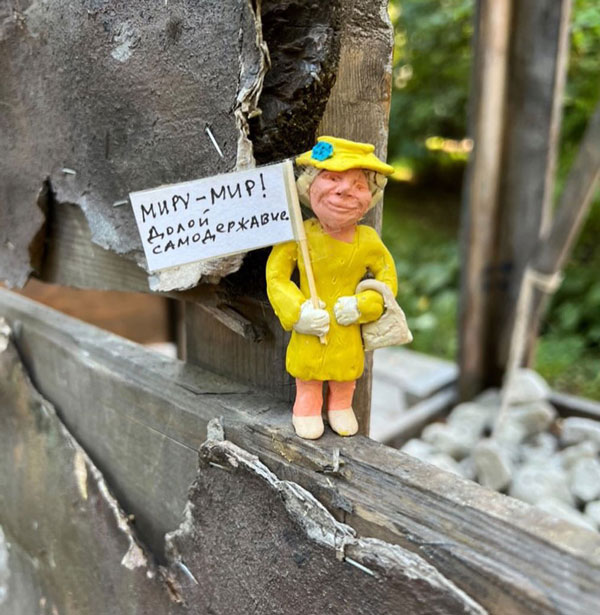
340 198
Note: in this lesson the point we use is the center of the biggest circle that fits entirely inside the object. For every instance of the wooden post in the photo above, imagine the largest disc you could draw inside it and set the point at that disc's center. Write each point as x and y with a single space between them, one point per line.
481 185
507 201
358 109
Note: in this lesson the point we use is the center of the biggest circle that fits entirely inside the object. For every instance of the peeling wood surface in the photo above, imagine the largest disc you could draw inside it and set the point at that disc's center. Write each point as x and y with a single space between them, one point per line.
103 98
142 417
303 38
70 547
278 551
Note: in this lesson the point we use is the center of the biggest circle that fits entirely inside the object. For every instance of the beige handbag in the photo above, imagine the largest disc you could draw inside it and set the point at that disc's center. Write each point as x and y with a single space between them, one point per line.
391 328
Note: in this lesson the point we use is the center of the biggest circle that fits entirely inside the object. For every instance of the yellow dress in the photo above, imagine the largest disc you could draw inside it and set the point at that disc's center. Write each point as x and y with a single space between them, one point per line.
338 268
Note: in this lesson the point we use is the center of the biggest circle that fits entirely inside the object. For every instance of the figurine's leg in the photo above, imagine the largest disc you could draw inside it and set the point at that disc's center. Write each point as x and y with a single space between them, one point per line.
307 419
339 408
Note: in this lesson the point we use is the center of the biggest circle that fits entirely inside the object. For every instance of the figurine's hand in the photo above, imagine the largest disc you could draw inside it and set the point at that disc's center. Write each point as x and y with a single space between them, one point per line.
346 310
312 321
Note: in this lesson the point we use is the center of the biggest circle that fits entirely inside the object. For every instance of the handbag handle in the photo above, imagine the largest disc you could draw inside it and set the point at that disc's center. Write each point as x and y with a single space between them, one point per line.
381 287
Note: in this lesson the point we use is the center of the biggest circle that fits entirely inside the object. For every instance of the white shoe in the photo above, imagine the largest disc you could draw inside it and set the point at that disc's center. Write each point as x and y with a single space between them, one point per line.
343 421
308 427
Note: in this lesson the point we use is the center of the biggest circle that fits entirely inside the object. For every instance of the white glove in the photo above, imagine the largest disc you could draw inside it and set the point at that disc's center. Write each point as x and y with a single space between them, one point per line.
312 321
346 310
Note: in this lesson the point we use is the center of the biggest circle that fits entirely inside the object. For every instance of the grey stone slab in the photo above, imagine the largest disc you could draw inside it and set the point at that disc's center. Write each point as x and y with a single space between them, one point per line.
417 374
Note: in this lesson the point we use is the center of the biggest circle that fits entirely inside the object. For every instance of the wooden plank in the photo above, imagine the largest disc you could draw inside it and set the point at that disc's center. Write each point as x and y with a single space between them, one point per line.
73 259
480 194
261 363
72 547
142 418
571 405
143 318
538 64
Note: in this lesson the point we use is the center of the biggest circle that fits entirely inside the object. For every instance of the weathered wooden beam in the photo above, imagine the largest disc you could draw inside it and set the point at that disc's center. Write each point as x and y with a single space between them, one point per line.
358 108
508 198
480 195
142 417
66 546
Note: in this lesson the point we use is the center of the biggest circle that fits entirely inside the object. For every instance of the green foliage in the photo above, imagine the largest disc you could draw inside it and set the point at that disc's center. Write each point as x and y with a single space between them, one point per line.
428 269
583 80
432 57
431 79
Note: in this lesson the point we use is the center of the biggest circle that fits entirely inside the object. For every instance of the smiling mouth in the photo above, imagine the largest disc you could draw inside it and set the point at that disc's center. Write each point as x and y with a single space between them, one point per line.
341 207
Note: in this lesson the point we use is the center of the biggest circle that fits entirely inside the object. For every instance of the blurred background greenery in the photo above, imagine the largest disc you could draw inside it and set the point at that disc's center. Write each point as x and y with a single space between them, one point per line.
427 146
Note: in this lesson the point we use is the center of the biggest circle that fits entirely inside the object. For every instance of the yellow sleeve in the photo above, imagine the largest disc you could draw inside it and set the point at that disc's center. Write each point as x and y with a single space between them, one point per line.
382 266
285 297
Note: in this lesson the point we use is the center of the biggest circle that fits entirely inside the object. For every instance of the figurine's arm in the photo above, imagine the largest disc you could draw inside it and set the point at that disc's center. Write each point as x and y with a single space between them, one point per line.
285 297
370 302
367 306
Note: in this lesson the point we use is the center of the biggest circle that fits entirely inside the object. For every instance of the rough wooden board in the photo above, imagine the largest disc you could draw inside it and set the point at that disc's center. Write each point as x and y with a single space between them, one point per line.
72 259
71 545
248 540
260 364
279 551
119 93
537 69
505 554
139 317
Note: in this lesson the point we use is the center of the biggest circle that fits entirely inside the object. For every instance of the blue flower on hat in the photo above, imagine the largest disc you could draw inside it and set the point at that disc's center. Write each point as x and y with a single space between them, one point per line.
321 151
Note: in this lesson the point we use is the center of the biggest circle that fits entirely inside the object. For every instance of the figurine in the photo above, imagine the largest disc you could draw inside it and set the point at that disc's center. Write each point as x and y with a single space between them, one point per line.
341 180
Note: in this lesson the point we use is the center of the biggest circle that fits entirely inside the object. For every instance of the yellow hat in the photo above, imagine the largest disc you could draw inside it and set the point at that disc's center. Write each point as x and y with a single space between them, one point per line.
336 154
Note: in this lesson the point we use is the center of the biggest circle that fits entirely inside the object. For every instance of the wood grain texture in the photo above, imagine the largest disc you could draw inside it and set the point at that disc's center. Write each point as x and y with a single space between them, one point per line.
247 542
480 193
537 74
73 259
278 551
142 418
71 548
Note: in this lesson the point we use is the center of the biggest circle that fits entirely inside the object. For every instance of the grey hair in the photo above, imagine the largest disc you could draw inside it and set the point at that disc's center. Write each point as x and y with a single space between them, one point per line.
376 181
